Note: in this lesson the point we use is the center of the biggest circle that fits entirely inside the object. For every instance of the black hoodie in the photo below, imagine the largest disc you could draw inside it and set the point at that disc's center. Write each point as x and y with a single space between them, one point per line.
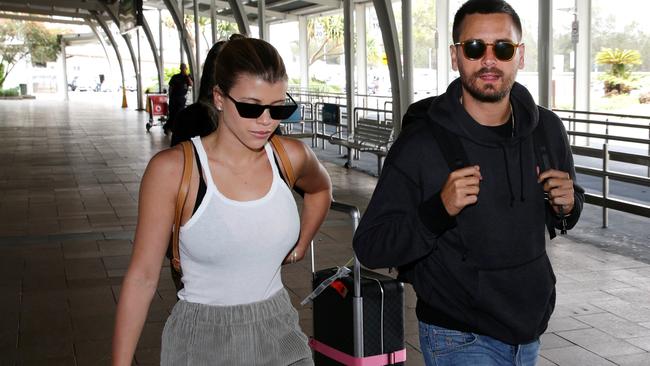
485 270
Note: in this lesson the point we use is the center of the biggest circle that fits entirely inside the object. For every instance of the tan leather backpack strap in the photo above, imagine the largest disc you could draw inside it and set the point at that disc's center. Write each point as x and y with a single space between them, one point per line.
285 163
180 201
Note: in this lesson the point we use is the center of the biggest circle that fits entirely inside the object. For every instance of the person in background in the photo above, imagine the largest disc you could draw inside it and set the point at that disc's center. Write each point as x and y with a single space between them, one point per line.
471 240
239 225
179 84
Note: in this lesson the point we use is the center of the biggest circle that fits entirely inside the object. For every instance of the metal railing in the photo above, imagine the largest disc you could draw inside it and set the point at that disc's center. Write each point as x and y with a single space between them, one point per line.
640 125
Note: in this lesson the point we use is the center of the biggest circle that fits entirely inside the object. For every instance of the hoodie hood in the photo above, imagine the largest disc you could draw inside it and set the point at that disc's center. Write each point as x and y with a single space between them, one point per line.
449 113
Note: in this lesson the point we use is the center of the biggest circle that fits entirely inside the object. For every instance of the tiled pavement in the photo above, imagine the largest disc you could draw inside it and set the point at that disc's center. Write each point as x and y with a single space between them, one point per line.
69 177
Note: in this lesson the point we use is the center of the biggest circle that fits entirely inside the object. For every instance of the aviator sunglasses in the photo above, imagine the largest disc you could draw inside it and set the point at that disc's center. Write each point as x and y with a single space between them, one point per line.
277 112
475 49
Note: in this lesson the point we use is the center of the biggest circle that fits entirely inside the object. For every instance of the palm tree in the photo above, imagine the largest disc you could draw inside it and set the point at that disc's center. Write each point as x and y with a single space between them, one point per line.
619 78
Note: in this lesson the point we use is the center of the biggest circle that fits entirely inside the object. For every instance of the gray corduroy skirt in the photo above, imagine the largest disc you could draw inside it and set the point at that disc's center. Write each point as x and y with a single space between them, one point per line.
261 333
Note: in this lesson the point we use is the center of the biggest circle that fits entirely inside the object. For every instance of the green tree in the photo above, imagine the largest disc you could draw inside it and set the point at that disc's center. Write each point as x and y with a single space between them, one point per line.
619 77
424 33
327 32
19 39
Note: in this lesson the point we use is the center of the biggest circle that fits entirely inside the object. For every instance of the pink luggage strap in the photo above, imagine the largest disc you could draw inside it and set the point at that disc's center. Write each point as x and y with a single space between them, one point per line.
344 358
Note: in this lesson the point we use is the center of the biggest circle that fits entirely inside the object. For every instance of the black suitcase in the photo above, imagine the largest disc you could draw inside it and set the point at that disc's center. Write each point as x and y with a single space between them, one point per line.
373 337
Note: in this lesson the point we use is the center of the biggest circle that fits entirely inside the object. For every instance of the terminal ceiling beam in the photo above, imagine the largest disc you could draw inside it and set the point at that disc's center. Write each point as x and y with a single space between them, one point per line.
239 14
31 18
53 4
43 11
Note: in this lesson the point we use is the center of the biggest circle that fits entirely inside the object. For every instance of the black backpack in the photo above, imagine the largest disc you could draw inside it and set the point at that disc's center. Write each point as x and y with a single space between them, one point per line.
456 157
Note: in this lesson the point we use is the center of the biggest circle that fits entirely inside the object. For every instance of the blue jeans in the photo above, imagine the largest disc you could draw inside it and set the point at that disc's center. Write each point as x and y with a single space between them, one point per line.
446 347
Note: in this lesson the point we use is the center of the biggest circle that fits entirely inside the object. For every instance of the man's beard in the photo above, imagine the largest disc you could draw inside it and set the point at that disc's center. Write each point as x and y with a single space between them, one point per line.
488 93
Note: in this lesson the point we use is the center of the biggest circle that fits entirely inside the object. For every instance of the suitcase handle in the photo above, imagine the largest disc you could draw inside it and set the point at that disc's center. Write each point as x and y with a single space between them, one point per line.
353 212
357 301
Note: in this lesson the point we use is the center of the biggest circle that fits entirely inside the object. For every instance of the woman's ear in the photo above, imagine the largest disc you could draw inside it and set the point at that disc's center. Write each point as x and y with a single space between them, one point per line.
217 98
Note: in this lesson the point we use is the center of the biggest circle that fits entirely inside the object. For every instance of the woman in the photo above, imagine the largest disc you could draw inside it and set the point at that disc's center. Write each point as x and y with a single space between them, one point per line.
234 309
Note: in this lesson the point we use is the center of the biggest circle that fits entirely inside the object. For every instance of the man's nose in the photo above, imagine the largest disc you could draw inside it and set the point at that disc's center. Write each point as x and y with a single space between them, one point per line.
489 58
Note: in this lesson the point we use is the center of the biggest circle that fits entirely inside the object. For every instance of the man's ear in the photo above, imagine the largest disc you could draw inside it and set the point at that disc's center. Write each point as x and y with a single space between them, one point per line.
521 51
453 52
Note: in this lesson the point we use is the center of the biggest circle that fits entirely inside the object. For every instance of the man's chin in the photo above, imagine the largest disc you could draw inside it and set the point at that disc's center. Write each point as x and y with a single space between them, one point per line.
488 96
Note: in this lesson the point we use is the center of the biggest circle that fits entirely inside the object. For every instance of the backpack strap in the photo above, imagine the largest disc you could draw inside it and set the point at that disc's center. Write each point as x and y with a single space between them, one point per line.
188 162
285 164
542 154
451 147
544 162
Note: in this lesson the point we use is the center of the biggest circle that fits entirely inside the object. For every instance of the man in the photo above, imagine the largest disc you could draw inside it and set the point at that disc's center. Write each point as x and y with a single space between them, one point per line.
471 240
179 84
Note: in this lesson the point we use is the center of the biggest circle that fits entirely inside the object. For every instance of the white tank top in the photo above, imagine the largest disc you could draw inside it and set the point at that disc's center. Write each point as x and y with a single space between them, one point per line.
231 251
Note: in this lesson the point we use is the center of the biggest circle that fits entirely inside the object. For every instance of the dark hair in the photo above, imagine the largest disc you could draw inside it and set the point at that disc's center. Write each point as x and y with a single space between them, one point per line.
208 76
483 7
208 80
248 56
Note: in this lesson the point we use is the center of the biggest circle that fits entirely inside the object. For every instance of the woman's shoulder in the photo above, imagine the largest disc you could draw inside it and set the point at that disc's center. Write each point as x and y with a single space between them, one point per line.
167 165
297 151
292 145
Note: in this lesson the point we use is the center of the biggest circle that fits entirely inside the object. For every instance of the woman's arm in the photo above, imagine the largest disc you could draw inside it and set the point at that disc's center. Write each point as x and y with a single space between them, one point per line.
158 191
313 179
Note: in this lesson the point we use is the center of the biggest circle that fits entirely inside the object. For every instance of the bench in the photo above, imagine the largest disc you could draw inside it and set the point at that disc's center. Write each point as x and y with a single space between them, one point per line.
296 118
330 115
369 136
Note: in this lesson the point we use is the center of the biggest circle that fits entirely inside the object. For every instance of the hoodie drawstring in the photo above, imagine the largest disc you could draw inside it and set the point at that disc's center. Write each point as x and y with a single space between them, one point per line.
505 158
521 174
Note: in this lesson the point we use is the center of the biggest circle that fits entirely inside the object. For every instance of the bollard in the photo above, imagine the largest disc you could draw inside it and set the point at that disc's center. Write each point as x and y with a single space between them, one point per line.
124 104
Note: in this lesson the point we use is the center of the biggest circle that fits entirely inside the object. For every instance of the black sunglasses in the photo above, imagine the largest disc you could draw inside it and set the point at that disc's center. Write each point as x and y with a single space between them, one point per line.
251 110
475 49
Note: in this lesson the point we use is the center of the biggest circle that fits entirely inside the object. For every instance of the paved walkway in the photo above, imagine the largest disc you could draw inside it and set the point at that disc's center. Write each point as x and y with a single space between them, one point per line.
68 204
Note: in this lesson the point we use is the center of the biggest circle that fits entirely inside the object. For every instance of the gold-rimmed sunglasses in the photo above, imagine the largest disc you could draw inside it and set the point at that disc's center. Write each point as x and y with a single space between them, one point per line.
475 49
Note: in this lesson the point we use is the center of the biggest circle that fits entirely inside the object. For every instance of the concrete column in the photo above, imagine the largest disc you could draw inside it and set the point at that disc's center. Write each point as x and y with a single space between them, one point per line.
443 40
360 52
348 32
161 71
197 48
407 53
181 31
303 52
261 20
64 65
583 66
138 76
545 54
213 21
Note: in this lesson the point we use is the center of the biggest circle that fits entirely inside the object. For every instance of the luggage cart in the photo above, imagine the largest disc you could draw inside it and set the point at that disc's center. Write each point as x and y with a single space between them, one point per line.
157 107
358 317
